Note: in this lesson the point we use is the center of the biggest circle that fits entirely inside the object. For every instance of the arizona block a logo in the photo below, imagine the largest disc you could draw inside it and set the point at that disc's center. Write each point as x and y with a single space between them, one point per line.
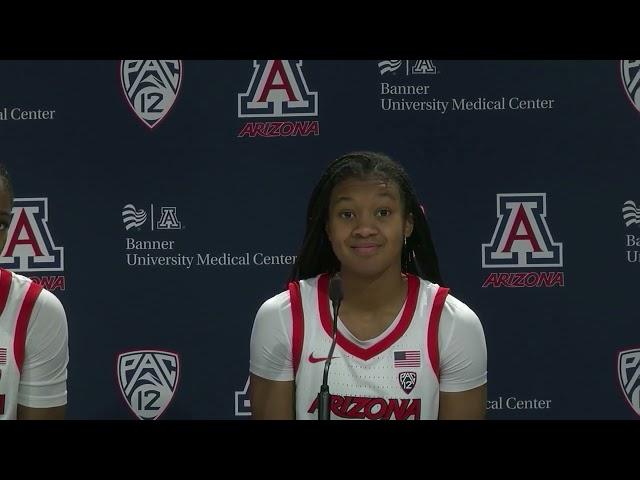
278 90
522 239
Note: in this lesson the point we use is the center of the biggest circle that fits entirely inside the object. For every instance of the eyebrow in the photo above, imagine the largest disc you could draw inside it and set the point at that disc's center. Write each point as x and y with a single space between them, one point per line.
344 198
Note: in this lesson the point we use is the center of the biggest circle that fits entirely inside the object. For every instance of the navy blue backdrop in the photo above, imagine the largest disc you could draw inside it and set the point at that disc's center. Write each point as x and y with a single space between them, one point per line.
163 201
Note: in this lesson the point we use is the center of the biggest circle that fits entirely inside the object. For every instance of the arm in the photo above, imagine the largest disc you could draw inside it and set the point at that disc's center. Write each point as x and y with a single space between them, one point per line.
53 413
42 394
271 400
467 405
463 364
271 385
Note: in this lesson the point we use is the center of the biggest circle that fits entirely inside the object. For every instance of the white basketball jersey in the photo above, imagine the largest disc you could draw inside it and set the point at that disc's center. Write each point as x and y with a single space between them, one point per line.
18 295
395 378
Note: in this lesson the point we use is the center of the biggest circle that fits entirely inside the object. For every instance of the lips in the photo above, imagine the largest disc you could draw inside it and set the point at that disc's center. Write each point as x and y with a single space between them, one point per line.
365 250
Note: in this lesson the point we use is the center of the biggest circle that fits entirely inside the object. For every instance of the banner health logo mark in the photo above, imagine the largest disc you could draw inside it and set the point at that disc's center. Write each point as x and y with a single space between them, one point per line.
151 87
148 380
30 247
132 217
631 216
630 73
522 239
629 377
278 89
630 213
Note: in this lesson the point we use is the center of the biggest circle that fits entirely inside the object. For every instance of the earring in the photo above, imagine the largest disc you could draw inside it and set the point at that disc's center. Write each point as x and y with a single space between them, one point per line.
404 262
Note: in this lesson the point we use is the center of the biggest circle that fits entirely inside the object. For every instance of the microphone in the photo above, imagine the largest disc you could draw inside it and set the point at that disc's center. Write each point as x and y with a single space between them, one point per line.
324 397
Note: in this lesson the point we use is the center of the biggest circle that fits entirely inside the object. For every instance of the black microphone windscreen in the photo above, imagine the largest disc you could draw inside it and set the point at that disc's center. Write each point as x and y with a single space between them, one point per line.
335 289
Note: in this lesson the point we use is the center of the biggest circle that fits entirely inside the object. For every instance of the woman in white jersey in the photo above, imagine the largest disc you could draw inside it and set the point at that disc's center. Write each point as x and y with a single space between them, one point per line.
33 339
406 349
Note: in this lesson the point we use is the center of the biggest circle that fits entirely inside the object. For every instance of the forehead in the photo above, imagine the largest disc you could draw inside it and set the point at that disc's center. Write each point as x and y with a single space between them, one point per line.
352 188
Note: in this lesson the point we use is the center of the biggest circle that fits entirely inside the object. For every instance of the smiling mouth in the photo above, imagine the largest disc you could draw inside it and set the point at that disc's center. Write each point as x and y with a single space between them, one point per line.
365 250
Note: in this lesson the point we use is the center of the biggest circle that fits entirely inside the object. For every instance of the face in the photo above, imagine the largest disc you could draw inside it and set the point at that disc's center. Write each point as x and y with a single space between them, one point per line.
367 225
5 214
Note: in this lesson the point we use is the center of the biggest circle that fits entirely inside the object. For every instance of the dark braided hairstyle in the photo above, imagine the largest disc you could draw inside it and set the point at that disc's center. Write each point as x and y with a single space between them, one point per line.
6 181
316 255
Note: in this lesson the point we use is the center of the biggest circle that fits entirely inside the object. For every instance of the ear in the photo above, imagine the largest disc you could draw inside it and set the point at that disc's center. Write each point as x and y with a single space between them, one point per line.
408 225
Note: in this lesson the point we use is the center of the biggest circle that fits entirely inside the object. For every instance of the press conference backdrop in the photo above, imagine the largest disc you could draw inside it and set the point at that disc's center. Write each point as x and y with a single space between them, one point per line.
164 200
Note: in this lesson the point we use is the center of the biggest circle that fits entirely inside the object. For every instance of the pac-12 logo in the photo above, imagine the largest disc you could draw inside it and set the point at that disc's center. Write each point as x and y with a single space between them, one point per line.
278 89
522 239
148 380
30 248
151 87
407 381
630 74
629 377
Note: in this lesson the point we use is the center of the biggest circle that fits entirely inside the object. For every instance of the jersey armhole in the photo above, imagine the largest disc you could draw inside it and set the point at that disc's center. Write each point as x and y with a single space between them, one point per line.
297 317
24 314
432 331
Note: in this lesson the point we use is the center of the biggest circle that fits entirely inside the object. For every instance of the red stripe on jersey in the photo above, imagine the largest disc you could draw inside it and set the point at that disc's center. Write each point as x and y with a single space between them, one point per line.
5 286
432 331
413 284
297 317
20 334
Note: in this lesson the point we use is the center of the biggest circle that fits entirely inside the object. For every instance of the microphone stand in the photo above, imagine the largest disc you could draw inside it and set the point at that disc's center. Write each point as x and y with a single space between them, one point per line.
324 397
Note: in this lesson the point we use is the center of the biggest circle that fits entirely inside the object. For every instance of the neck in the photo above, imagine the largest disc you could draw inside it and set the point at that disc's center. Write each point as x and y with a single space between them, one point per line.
373 293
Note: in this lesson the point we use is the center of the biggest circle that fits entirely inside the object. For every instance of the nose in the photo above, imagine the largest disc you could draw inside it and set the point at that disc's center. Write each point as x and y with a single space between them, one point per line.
364 228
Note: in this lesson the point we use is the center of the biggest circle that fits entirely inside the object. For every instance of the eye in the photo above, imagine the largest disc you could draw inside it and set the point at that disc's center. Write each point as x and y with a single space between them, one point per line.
346 214
383 212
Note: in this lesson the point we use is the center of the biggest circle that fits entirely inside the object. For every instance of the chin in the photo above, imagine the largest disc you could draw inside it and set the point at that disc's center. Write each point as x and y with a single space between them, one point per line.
365 269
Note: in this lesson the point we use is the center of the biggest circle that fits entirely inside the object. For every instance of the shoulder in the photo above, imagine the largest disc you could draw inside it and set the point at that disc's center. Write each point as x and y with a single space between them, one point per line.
49 304
276 305
459 311
455 311
20 285
19 282
280 305
459 323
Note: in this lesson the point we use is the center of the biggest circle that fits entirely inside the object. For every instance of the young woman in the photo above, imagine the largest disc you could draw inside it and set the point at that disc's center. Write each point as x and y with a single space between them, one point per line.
406 349
33 339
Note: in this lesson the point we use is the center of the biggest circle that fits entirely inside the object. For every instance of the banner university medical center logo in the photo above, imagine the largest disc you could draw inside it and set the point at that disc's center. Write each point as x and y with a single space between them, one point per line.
278 89
148 380
522 239
629 377
413 67
30 247
630 74
133 217
151 87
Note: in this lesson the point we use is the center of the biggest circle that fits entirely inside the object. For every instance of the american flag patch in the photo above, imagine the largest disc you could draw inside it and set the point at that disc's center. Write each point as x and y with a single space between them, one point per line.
406 358
3 356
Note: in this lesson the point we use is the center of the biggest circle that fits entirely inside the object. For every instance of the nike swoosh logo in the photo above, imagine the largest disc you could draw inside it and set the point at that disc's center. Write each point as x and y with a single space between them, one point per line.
313 359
